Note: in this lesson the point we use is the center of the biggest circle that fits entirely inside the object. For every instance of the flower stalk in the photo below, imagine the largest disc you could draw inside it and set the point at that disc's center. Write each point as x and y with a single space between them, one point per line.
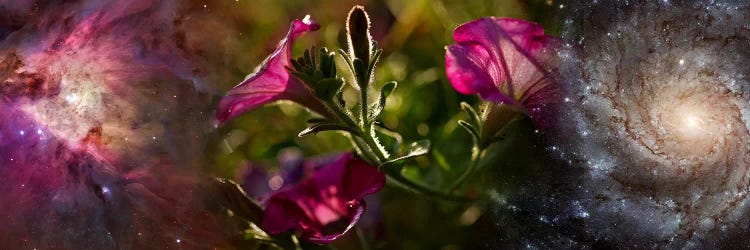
335 193
310 69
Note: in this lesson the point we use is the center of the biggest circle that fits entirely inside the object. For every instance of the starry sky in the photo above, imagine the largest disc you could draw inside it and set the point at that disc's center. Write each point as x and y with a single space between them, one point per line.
653 147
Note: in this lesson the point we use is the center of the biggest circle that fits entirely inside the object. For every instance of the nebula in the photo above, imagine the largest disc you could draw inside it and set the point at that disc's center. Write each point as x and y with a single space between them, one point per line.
104 118
654 146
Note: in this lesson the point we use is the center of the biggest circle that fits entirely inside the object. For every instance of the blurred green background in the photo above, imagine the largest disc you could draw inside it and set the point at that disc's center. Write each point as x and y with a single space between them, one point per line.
413 35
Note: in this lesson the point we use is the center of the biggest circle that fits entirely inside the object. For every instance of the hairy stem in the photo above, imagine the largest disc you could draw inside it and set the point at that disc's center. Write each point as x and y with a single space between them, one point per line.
370 150
476 156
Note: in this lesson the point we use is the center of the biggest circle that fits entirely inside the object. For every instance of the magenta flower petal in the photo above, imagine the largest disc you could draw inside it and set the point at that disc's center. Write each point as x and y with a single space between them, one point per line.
271 81
503 60
328 204
471 71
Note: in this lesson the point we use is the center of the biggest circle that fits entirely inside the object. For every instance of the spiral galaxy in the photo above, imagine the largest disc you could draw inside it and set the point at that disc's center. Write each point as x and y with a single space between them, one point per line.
657 92
652 146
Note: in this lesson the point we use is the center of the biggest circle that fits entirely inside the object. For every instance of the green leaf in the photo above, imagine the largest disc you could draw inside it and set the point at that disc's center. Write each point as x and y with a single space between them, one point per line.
356 112
314 129
347 59
388 137
473 115
328 88
304 77
317 76
387 89
226 195
317 120
313 57
339 100
374 61
360 72
441 161
418 148
327 63
471 129
297 66
378 107
307 57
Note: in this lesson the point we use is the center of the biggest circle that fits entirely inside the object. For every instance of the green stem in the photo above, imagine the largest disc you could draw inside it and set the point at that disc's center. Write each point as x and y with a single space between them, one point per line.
477 151
362 238
476 156
363 107
363 150
403 182
366 143
285 240
370 151
340 114
394 175
368 136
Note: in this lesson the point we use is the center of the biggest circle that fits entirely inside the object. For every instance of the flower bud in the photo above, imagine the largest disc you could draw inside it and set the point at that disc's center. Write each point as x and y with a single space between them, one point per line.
358 34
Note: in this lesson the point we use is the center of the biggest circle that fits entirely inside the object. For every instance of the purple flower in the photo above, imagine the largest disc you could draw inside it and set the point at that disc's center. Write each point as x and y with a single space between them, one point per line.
505 60
272 81
326 205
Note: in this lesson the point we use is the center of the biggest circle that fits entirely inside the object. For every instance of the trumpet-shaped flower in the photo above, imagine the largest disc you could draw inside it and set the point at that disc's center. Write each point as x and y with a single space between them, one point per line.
505 60
272 81
326 205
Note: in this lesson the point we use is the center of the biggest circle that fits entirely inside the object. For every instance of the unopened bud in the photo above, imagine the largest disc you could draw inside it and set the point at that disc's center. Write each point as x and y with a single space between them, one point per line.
358 34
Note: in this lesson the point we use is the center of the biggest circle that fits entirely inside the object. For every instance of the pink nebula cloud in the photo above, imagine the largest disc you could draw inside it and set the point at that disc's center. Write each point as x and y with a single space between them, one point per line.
104 113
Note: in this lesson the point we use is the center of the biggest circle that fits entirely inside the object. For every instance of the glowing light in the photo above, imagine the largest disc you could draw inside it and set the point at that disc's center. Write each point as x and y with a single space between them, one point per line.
276 182
691 122
71 98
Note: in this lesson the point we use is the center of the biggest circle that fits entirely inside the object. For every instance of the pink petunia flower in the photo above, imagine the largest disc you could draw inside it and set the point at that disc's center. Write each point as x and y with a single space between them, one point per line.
326 205
272 81
506 61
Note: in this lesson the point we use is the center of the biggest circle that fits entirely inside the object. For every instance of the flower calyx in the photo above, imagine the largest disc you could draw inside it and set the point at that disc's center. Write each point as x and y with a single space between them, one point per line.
317 69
